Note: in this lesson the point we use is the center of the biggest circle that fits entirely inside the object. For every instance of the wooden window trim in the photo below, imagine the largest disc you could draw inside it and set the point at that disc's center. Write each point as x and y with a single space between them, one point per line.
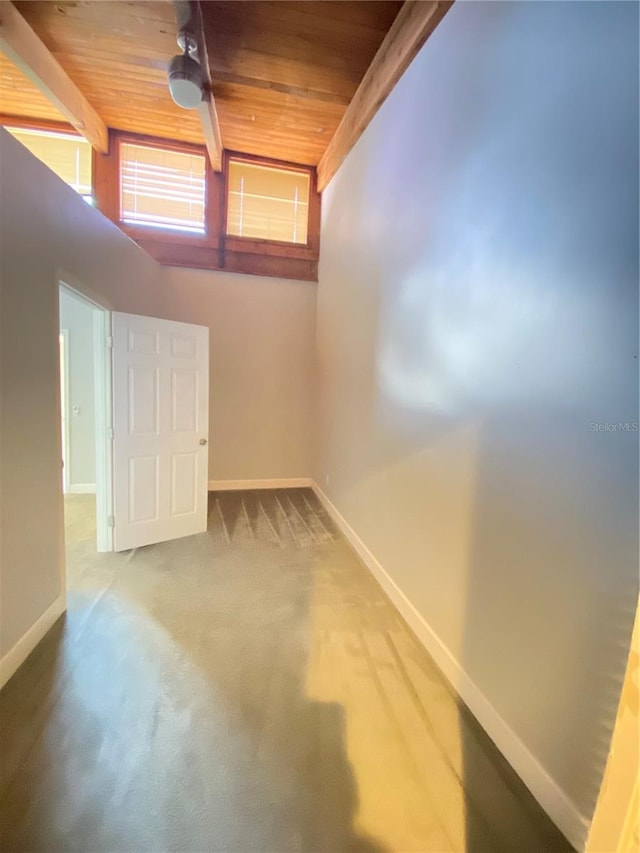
253 245
164 235
228 260
257 246
153 233
213 250
124 136
106 171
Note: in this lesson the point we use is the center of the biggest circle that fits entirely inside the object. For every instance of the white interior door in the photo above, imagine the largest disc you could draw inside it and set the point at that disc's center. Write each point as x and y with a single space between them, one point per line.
161 424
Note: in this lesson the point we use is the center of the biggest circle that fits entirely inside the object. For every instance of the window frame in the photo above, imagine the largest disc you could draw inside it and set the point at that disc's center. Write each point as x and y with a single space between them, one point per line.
50 126
161 243
213 250
259 245
155 232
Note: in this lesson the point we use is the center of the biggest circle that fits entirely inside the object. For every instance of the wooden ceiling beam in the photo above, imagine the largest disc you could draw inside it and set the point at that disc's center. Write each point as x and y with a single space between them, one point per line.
211 130
415 22
207 110
25 49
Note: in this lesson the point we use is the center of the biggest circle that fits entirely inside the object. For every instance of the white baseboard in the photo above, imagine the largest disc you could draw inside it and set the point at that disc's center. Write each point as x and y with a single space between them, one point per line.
237 485
81 489
16 656
558 805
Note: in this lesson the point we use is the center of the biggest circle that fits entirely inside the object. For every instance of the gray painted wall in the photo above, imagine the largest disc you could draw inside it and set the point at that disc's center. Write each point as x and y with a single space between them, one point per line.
76 317
477 313
262 357
47 232
262 350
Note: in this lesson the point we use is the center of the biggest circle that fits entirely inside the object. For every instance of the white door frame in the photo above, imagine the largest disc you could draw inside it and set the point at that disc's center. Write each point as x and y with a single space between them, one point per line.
103 415
64 405
102 343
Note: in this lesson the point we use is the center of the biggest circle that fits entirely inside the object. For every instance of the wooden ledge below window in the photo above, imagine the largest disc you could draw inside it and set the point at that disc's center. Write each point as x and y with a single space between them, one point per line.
169 253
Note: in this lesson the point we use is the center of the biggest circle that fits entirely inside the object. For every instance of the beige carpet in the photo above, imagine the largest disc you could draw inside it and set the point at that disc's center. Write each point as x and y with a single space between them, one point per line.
247 689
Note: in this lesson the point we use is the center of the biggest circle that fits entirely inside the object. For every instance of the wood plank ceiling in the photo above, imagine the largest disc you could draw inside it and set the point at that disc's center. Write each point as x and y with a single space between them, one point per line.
283 73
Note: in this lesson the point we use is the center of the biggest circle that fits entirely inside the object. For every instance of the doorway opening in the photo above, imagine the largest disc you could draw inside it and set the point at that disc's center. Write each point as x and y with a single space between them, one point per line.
85 406
135 419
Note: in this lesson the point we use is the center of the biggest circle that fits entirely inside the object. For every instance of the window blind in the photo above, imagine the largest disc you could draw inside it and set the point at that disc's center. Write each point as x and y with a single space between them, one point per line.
162 188
67 155
267 202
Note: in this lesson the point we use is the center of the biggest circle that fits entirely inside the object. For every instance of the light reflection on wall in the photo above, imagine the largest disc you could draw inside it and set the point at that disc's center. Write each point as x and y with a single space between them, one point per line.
474 327
508 278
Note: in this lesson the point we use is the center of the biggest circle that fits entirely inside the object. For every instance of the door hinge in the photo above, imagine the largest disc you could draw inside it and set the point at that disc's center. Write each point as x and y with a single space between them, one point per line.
109 341
110 433
111 522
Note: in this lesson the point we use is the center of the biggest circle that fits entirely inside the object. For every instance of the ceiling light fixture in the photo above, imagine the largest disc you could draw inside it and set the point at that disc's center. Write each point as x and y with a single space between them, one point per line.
185 75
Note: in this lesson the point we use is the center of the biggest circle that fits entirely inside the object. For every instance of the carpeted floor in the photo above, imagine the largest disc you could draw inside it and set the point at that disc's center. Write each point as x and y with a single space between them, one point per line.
247 689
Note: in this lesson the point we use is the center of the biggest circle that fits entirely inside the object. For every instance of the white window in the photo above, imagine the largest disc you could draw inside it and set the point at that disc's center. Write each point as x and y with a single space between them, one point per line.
67 155
162 188
267 202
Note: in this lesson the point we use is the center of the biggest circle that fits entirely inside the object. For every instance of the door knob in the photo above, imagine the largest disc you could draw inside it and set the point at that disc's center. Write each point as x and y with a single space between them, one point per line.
203 441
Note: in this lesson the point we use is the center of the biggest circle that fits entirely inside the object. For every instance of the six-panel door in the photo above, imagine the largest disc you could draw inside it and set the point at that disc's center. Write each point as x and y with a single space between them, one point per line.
161 426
